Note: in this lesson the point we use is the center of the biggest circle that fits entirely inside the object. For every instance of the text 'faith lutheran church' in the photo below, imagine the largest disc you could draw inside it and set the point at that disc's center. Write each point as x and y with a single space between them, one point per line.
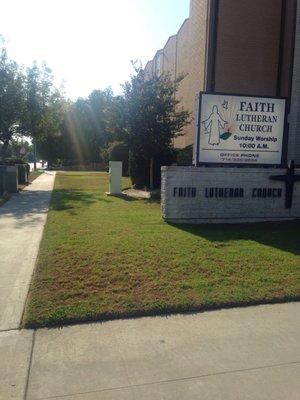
242 64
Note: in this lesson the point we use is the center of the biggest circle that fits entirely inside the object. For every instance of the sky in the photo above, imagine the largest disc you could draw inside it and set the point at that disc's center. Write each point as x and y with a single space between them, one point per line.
89 44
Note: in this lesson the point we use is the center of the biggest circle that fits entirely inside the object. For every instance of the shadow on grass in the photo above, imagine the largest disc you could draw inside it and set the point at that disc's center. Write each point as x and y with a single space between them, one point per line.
125 197
283 235
63 199
153 200
167 311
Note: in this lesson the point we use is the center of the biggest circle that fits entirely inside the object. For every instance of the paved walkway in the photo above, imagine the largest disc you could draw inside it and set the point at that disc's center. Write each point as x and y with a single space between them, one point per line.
22 221
248 353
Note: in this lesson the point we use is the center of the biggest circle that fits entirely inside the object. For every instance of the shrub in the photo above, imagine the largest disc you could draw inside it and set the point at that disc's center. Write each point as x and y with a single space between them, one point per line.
139 168
14 161
104 156
185 156
139 171
118 151
152 120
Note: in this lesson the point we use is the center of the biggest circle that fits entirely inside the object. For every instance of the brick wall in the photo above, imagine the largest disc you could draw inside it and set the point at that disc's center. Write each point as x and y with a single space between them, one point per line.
184 53
198 21
202 209
183 63
169 56
294 132
158 62
247 55
247 52
149 69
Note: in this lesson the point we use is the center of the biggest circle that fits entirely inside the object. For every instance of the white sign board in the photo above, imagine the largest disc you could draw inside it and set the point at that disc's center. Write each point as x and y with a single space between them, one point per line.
240 129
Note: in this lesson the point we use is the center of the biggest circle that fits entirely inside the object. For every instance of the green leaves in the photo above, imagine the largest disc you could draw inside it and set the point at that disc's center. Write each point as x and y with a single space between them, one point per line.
44 104
11 98
154 117
29 102
87 125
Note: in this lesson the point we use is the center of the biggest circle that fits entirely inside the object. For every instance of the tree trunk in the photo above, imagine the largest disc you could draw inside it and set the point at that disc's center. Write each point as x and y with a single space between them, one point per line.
34 154
152 173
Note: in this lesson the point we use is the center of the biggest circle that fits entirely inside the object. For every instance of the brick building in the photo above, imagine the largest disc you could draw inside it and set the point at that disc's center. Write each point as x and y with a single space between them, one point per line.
237 46
188 44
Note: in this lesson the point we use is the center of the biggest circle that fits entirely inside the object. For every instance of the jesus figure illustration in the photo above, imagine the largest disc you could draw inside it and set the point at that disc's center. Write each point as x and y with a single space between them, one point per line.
213 124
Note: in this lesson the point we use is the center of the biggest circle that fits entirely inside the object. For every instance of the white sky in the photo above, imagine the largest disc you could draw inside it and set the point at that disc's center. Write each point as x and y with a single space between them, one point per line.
88 44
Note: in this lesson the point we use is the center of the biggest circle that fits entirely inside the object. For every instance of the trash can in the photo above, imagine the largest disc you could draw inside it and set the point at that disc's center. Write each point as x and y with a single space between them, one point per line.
22 174
11 179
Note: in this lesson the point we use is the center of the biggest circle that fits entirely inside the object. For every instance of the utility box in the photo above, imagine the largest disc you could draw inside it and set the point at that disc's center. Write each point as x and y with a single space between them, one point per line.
115 178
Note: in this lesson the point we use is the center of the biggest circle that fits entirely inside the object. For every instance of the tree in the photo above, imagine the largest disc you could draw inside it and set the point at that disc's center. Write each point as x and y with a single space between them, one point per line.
87 125
44 105
118 151
20 148
153 119
50 148
11 99
50 145
117 119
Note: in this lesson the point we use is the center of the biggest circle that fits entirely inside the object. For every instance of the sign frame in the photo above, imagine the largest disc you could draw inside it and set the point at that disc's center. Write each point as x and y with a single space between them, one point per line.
284 161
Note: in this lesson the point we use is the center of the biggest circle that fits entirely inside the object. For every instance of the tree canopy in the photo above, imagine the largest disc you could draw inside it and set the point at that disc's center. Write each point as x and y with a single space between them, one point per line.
12 99
153 115
140 124
30 104
153 118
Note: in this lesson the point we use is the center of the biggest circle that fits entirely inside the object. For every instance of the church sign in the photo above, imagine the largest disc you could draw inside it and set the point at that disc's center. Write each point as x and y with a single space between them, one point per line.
234 129
241 173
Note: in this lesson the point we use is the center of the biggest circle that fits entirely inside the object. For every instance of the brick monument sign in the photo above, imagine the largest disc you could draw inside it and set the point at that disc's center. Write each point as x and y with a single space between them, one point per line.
241 172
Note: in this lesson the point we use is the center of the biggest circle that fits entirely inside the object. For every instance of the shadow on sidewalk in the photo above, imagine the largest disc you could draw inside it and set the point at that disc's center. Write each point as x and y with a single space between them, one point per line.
26 207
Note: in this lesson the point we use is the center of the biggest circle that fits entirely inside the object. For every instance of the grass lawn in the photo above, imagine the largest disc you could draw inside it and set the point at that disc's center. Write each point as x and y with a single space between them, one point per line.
33 175
108 257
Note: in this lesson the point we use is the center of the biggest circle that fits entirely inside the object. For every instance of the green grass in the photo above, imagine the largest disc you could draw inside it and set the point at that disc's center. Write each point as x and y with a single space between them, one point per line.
109 257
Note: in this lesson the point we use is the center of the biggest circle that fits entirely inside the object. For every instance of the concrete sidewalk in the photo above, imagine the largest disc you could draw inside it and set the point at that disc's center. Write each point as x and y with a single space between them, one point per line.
248 353
243 353
22 221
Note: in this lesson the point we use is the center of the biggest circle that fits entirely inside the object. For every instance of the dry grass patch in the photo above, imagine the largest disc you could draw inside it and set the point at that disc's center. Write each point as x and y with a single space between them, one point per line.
108 257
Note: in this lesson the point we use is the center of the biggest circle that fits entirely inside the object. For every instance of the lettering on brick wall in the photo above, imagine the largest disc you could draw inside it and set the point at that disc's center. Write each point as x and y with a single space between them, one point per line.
228 192
184 192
